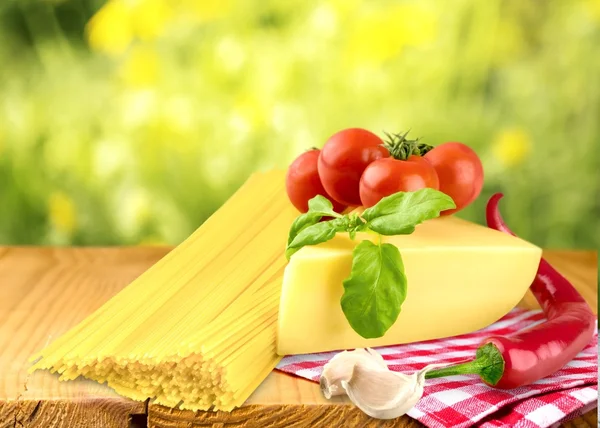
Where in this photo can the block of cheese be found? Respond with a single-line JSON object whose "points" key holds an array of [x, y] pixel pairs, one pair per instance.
{"points": [[461, 277]]}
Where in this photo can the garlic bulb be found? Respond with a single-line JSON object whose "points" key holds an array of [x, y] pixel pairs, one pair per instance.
{"points": [[340, 367], [379, 392]]}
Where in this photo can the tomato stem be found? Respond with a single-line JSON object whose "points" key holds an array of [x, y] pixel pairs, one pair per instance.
{"points": [[402, 148]]}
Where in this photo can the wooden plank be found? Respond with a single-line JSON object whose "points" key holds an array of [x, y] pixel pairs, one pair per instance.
{"points": [[274, 416], [45, 292], [92, 412], [298, 402]]}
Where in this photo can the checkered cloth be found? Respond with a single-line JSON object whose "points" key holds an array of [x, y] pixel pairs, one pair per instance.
{"points": [[464, 401]]}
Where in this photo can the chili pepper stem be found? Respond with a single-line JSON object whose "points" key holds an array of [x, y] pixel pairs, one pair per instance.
{"points": [[488, 364], [469, 367]]}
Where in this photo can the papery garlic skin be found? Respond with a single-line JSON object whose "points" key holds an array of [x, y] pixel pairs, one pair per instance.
{"points": [[384, 394], [364, 376], [341, 366]]}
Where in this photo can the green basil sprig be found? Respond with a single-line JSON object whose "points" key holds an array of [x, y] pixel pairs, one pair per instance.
{"points": [[308, 229], [377, 285], [398, 214]]}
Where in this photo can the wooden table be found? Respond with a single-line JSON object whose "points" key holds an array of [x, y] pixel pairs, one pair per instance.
{"points": [[46, 291]]}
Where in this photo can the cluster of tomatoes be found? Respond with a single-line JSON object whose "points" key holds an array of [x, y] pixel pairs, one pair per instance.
{"points": [[355, 167]]}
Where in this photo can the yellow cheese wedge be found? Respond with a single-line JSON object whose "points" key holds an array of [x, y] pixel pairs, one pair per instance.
{"points": [[461, 277]]}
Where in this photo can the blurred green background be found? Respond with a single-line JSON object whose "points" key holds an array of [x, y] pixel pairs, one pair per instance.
{"points": [[130, 122]]}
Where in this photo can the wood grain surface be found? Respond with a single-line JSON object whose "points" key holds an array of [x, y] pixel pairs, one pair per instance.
{"points": [[43, 293], [46, 291]]}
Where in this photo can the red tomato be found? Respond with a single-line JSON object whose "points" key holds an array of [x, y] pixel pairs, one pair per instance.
{"points": [[343, 159], [302, 182], [387, 176], [460, 172]]}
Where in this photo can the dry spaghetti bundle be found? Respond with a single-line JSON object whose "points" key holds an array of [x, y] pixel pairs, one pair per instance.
{"points": [[198, 329]]}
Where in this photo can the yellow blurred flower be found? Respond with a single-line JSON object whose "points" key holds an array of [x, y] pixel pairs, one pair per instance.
{"points": [[141, 68], [511, 146], [324, 21], [344, 8], [62, 212], [230, 54], [593, 8], [382, 35], [149, 18], [178, 115], [110, 30], [251, 113], [206, 10]]}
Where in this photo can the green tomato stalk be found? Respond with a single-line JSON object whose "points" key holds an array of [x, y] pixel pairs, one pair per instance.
{"points": [[402, 148]]}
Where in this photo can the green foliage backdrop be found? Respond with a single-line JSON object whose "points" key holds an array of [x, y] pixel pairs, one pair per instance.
{"points": [[130, 122]]}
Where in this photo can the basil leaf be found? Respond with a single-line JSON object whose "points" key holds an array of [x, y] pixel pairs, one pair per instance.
{"points": [[318, 207], [398, 214], [315, 234], [302, 221], [322, 205], [375, 289]]}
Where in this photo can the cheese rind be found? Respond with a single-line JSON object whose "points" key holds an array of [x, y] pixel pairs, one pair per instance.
{"points": [[461, 277]]}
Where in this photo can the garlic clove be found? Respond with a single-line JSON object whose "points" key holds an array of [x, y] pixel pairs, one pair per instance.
{"points": [[340, 368], [376, 356], [384, 394], [381, 394]]}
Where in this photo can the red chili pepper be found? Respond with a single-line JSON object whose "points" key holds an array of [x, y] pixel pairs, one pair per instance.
{"points": [[539, 351]]}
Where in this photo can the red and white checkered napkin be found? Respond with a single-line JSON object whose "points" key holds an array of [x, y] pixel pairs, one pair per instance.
{"points": [[464, 401]]}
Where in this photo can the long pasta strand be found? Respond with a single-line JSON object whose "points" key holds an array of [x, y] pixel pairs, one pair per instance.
{"points": [[198, 329]]}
